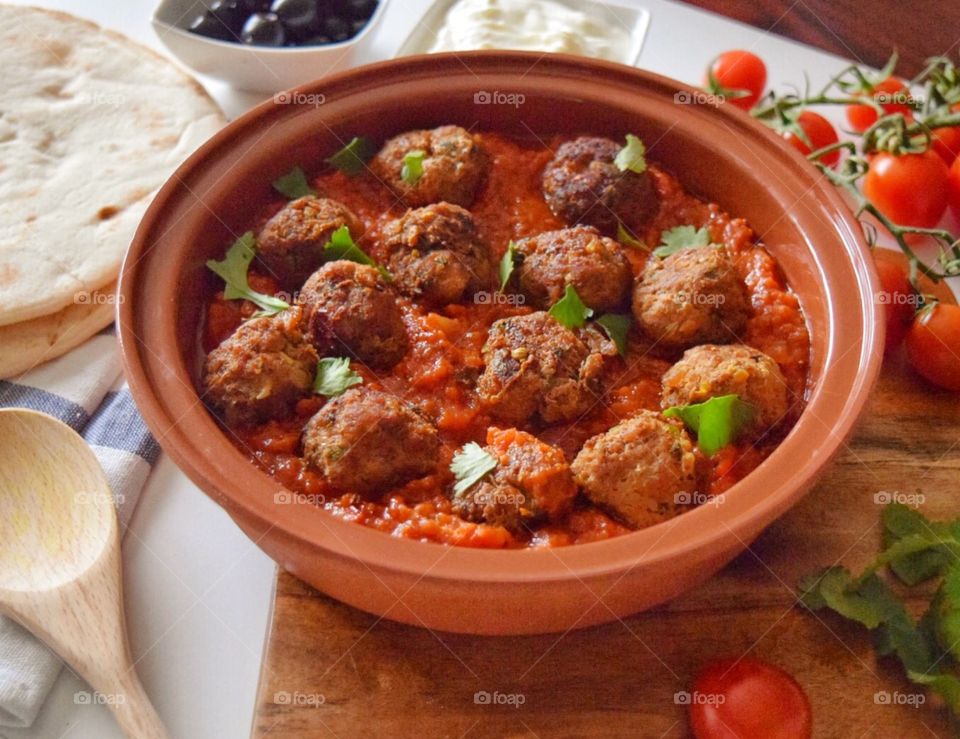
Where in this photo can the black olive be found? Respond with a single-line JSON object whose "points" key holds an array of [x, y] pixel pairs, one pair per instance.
{"points": [[230, 13], [358, 25], [299, 17], [211, 27], [336, 28], [354, 9], [263, 29], [255, 6], [320, 40]]}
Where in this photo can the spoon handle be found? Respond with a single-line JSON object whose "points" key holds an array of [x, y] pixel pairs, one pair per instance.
{"points": [[132, 708]]}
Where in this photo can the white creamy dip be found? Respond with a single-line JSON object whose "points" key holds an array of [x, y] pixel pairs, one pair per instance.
{"points": [[532, 25]]}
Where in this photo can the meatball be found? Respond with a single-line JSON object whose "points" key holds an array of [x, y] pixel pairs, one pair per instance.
{"points": [[709, 371], [532, 482], [436, 254], [579, 256], [693, 296], [369, 442], [290, 245], [581, 184], [453, 166], [536, 366], [260, 371], [350, 305], [642, 470]]}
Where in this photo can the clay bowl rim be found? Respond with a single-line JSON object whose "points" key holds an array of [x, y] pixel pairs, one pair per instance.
{"points": [[703, 530]]}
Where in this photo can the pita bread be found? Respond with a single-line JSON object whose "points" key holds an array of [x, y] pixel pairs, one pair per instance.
{"points": [[91, 124], [27, 344]]}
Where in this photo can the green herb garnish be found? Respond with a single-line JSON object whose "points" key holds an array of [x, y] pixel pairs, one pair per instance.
{"points": [[334, 376], [470, 465], [917, 550], [616, 326], [570, 311], [681, 237], [628, 239], [412, 169], [233, 270], [507, 264], [342, 246], [632, 157], [353, 157], [716, 422], [293, 184]]}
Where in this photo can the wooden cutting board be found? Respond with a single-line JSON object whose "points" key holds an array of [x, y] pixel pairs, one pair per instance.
{"points": [[330, 670]]}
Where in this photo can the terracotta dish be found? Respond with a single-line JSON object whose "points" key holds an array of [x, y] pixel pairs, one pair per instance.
{"points": [[719, 155]]}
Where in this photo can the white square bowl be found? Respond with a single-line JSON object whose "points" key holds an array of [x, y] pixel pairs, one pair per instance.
{"points": [[256, 68], [637, 20]]}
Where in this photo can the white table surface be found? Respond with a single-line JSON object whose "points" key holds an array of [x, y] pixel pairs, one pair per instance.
{"points": [[198, 591]]}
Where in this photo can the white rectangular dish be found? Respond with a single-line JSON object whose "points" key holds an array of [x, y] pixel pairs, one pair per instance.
{"points": [[634, 20]]}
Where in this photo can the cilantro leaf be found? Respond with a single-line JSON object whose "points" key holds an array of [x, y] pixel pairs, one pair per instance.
{"points": [[717, 422], [342, 246], [412, 169], [681, 237], [352, 158], [628, 239], [899, 521], [293, 184], [233, 270], [470, 465], [616, 327], [570, 311], [507, 264], [945, 613], [632, 157], [334, 376], [946, 685]]}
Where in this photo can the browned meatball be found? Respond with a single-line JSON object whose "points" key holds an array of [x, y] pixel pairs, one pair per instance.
{"points": [[709, 371], [578, 256], [290, 245], [369, 442], [436, 254], [641, 470], [581, 184], [349, 309], [532, 482], [693, 296], [536, 366], [454, 164], [260, 371]]}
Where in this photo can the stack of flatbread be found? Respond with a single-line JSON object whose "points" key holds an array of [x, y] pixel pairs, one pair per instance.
{"points": [[91, 124]]}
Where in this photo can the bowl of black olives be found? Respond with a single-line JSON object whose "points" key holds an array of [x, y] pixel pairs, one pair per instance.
{"points": [[267, 45]]}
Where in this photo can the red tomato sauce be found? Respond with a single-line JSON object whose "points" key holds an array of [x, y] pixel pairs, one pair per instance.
{"points": [[445, 359]]}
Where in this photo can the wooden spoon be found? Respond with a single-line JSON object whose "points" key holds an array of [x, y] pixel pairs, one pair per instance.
{"points": [[60, 560]]}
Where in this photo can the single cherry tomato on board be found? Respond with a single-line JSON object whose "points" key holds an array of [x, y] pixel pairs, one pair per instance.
{"points": [[738, 70], [909, 189], [897, 296], [953, 187], [933, 345], [748, 699], [891, 93], [819, 131]]}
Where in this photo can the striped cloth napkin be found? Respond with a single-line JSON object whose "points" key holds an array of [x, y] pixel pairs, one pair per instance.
{"points": [[84, 389]]}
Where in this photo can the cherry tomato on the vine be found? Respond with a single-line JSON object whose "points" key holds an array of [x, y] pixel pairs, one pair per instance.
{"points": [[933, 345], [890, 93], [909, 189], [898, 298], [748, 699], [953, 187], [819, 131], [946, 140], [738, 70]]}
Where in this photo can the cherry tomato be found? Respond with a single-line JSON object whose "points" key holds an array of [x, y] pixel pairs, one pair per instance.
{"points": [[909, 189], [738, 70], [897, 297], [820, 132], [887, 93], [748, 699], [946, 141], [953, 187], [933, 345]]}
